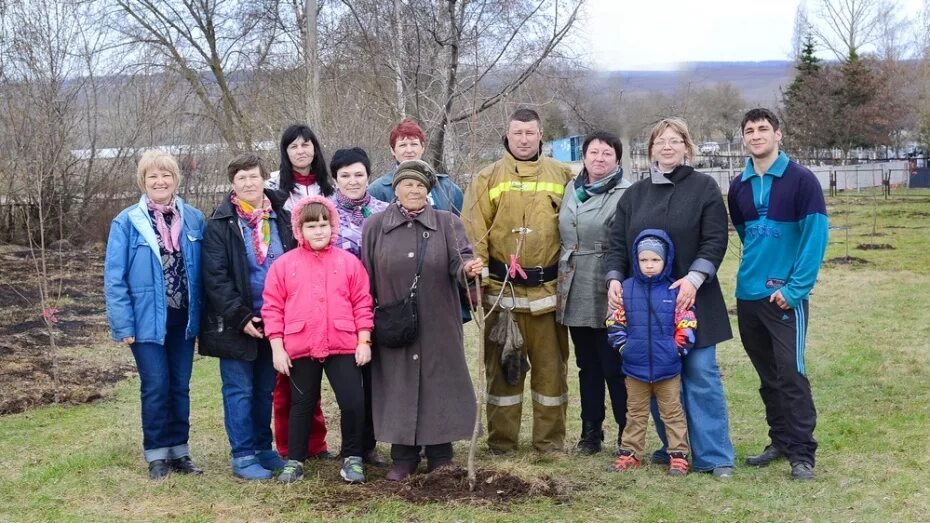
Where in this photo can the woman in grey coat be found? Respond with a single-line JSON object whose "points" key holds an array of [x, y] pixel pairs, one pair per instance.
{"points": [[422, 394], [585, 220]]}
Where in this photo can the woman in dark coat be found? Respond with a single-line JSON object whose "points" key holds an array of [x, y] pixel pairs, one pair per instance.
{"points": [[688, 206], [422, 393], [248, 231]]}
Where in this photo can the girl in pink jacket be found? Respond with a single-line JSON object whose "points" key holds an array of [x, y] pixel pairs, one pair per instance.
{"points": [[318, 317]]}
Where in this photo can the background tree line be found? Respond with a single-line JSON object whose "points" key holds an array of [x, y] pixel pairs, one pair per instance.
{"points": [[84, 85]]}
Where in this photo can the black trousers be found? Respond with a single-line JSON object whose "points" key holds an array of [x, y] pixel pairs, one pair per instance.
{"points": [[368, 431], [346, 380], [598, 364], [439, 453], [774, 340]]}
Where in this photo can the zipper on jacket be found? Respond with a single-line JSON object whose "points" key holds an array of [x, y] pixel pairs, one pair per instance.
{"points": [[649, 330]]}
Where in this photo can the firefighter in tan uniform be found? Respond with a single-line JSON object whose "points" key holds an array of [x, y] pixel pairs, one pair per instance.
{"points": [[511, 215]]}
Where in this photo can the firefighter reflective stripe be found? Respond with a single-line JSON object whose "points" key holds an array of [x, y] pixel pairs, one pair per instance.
{"points": [[549, 401], [503, 187], [505, 401], [520, 302]]}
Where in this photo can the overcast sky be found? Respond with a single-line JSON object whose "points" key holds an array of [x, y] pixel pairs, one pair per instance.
{"points": [[658, 34]]}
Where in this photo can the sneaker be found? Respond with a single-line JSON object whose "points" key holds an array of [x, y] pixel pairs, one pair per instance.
{"points": [[158, 469], [625, 461], [270, 460], [802, 471], [677, 464], [292, 471], [767, 456], [352, 470], [185, 465], [723, 473], [249, 469]]}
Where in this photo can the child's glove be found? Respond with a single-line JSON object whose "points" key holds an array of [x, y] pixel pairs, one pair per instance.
{"points": [[684, 332], [616, 329], [684, 339]]}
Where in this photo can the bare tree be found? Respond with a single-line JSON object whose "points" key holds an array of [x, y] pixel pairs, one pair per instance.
{"points": [[846, 26], [457, 51], [196, 37], [802, 28]]}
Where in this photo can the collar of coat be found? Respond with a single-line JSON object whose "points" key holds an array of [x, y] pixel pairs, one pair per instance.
{"points": [[393, 218]]}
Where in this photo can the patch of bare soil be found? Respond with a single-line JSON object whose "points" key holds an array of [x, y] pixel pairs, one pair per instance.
{"points": [[847, 260], [450, 485], [32, 372], [875, 246]]}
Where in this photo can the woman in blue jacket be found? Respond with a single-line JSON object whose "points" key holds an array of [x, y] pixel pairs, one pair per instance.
{"points": [[153, 293]]}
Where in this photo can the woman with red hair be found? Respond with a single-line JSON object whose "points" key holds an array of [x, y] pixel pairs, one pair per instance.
{"points": [[408, 143]]}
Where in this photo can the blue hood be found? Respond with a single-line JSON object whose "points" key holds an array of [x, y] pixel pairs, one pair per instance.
{"points": [[669, 256]]}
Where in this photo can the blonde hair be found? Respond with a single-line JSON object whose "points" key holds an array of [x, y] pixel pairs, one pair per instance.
{"points": [[157, 159], [679, 126]]}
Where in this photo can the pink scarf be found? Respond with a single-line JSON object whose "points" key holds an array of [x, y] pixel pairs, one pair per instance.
{"points": [[171, 238], [258, 220]]}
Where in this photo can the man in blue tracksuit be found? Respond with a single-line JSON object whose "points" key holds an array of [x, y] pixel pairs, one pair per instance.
{"points": [[778, 209]]}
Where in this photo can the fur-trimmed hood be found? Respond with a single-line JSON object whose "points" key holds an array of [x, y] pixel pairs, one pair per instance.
{"points": [[333, 219]]}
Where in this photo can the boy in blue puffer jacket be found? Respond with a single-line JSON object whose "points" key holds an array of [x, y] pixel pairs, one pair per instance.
{"points": [[653, 337]]}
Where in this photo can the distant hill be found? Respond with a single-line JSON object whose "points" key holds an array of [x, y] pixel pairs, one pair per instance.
{"points": [[759, 82]]}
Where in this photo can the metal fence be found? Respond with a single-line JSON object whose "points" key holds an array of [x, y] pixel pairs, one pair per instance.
{"points": [[831, 177]]}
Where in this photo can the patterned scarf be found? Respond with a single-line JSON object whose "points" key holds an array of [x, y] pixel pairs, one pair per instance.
{"points": [[408, 213], [585, 190], [359, 207], [261, 235], [172, 238]]}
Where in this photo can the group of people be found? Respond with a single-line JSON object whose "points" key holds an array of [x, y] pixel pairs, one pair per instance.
{"points": [[283, 283]]}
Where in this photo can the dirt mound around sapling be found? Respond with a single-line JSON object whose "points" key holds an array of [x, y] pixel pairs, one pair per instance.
{"points": [[450, 485]]}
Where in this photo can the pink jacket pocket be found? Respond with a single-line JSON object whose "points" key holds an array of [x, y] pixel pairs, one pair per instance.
{"points": [[294, 327], [344, 335]]}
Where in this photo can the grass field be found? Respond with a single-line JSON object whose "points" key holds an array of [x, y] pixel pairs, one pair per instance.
{"points": [[867, 360]]}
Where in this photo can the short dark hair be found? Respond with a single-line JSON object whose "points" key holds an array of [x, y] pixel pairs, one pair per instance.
{"points": [[317, 166], [756, 115], [525, 114], [609, 138], [244, 162], [344, 157]]}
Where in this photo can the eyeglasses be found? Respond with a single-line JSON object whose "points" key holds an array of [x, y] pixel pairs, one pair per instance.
{"points": [[674, 142]]}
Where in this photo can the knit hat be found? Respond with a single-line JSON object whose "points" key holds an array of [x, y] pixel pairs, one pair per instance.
{"points": [[416, 169], [652, 244], [346, 157]]}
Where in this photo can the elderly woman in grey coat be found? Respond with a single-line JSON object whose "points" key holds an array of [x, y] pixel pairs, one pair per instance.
{"points": [[585, 220], [422, 393]]}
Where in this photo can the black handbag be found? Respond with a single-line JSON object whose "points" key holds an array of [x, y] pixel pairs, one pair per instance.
{"points": [[397, 324]]}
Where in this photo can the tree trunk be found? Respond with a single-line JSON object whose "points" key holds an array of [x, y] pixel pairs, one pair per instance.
{"points": [[311, 67]]}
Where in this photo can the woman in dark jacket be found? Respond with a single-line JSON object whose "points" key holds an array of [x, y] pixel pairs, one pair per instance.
{"points": [[422, 393], [248, 231], [689, 207]]}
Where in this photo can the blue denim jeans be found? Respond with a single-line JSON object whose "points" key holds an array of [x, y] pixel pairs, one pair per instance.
{"points": [[165, 375], [706, 411], [247, 387]]}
